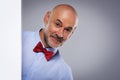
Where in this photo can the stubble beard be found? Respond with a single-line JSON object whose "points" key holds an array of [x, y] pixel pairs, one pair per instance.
{"points": [[48, 42]]}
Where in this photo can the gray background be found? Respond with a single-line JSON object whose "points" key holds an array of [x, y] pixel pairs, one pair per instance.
{"points": [[93, 51]]}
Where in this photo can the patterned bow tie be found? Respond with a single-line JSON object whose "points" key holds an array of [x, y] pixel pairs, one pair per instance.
{"points": [[39, 48]]}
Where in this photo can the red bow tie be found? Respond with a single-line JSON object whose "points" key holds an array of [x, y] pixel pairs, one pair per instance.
{"points": [[39, 48]]}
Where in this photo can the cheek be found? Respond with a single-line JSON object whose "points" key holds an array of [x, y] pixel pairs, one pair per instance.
{"points": [[52, 29], [67, 36]]}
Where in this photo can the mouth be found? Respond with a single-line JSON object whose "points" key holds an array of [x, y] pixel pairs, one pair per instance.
{"points": [[57, 39]]}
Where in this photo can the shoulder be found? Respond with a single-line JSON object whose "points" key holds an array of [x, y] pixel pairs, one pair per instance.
{"points": [[65, 71], [65, 67], [27, 33], [62, 65], [27, 37]]}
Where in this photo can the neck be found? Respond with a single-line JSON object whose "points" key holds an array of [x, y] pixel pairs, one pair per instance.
{"points": [[41, 34]]}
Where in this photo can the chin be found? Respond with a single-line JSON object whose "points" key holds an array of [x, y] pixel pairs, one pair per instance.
{"points": [[53, 45]]}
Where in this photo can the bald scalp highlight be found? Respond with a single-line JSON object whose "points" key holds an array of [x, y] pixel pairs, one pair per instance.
{"points": [[65, 7]]}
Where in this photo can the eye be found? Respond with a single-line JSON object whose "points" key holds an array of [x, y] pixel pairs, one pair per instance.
{"points": [[58, 24], [68, 29]]}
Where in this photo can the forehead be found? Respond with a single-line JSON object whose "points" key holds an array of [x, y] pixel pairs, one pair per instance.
{"points": [[66, 16]]}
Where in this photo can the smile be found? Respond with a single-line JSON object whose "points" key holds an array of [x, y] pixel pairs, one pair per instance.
{"points": [[56, 39]]}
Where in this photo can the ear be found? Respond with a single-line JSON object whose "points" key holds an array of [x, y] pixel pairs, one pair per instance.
{"points": [[46, 17]]}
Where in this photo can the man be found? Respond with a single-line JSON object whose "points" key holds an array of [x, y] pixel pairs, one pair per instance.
{"points": [[41, 59]]}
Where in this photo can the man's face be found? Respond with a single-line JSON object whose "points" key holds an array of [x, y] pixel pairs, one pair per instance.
{"points": [[58, 27]]}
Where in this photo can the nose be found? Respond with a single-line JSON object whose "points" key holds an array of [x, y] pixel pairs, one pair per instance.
{"points": [[60, 32]]}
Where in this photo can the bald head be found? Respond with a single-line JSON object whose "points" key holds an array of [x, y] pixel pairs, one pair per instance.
{"points": [[65, 7], [65, 10]]}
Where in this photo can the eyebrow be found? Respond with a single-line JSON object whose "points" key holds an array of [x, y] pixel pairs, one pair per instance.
{"points": [[61, 23]]}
